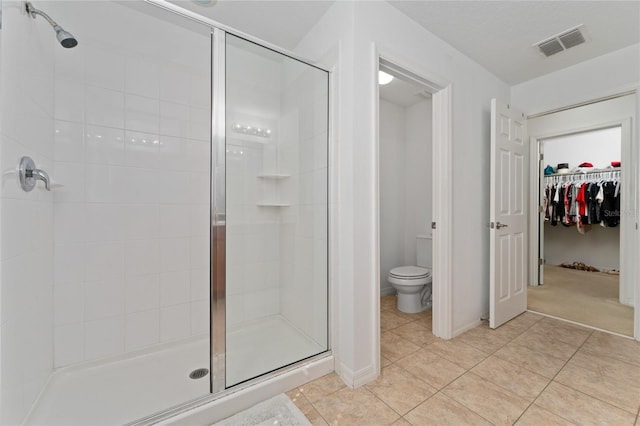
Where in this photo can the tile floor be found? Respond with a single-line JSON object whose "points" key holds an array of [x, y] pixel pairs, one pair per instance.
{"points": [[533, 370]]}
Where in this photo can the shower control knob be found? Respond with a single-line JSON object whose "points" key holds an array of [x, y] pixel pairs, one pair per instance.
{"points": [[29, 174]]}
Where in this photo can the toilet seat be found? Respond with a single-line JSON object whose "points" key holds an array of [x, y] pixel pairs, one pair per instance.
{"points": [[410, 273]]}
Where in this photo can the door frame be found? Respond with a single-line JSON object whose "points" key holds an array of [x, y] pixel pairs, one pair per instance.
{"points": [[442, 180], [629, 240]]}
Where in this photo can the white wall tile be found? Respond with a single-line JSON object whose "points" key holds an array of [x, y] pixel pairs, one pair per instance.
{"points": [[174, 119], [175, 84], [142, 293], [104, 107], [104, 222], [142, 76], [68, 344], [69, 101], [234, 309], [141, 149], [142, 257], [68, 141], [142, 329], [104, 145], [104, 298], [142, 114], [174, 254], [199, 318], [72, 178], [199, 123], [69, 222], [200, 252], [104, 337], [68, 303], [174, 154], [143, 221], [104, 260], [175, 221], [174, 288], [200, 284], [104, 69], [174, 322], [261, 303], [69, 262]]}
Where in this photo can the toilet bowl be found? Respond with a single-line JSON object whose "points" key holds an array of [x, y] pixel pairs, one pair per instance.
{"points": [[412, 283]]}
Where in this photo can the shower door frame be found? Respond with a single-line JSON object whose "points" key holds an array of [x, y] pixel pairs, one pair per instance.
{"points": [[212, 407]]}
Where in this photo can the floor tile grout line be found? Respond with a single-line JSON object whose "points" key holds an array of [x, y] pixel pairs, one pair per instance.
{"points": [[552, 381]]}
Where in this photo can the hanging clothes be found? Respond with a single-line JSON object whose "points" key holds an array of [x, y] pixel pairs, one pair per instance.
{"points": [[583, 199]]}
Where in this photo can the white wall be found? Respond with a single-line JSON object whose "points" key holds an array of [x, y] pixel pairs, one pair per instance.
{"points": [[605, 75], [599, 147], [352, 30], [418, 165], [405, 183], [600, 247], [26, 257], [393, 179]]}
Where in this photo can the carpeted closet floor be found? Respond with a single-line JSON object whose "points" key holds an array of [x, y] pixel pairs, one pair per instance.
{"points": [[589, 298]]}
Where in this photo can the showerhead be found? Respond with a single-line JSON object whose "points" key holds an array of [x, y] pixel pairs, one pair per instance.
{"points": [[65, 38]]}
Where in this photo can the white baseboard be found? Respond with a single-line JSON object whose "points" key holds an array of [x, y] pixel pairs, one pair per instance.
{"points": [[359, 378], [458, 331]]}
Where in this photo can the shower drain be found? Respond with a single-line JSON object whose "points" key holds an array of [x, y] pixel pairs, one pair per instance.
{"points": [[199, 373]]}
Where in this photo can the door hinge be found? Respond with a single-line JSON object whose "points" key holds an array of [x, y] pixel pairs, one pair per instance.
{"points": [[433, 225], [541, 156], [540, 262], [540, 209]]}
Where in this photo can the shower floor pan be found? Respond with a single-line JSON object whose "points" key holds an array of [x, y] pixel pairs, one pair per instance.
{"points": [[121, 390]]}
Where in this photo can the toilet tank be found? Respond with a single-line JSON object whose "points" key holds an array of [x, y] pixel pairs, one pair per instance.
{"points": [[423, 250]]}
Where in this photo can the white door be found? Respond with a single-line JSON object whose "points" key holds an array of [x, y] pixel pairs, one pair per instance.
{"points": [[508, 216]]}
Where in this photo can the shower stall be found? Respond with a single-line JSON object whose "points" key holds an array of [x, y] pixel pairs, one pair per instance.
{"points": [[180, 252]]}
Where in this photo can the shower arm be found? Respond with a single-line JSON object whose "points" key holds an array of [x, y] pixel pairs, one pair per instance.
{"points": [[31, 10]]}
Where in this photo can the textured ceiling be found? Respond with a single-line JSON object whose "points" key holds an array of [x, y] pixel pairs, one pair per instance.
{"points": [[499, 34]]}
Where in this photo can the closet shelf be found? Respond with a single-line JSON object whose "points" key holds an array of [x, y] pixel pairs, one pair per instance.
{"points": [[585, 173]]}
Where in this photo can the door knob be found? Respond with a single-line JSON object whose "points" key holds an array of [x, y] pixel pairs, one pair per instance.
{"points": [[501, 225]]}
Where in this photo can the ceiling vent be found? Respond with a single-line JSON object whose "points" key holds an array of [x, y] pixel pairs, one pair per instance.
{"points": [[563, 41]]}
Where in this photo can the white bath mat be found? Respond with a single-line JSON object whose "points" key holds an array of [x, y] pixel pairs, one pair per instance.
{"points": [[278, 410]]}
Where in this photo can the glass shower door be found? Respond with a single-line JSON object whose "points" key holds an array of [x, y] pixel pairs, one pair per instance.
{"points": [[276, 210]]}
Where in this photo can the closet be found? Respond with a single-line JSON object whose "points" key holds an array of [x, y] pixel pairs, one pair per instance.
{"points": [[579, 243]]}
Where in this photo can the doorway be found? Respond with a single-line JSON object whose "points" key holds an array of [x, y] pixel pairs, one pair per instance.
{"points": [[579, 241], [608, 123], [405, 143]]}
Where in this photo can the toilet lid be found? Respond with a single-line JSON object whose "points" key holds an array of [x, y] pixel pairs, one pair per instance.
{"points": [[410, 272]]}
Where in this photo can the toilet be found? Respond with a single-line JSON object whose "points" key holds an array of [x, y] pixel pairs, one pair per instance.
{"points": [[413, 283]]}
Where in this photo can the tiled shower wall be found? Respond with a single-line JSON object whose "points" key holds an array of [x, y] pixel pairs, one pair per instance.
{"points": [[26, 227], [132, 130]]}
